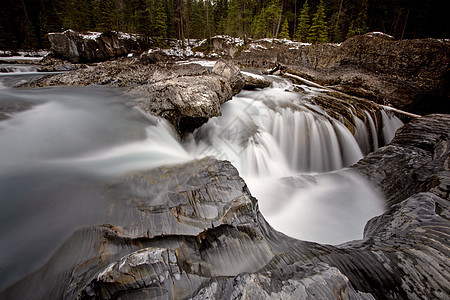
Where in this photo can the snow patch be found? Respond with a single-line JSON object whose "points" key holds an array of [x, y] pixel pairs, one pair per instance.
{"points": [[381, 34], [259, 77], [91, 35], [204, 63]]}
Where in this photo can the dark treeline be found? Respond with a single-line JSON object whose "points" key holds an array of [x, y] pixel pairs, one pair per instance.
{"points": [[25, 23]]}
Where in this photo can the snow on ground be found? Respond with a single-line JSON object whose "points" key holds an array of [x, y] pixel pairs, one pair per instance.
{"points": [[128, 36], [91, 35], [204, 63], [259, 77], [178, 52], [378, 33]]}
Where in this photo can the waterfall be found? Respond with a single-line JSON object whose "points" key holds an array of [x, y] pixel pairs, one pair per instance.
{"points": [[10, 69], [56, 156], [273, 126], [390, 125]]}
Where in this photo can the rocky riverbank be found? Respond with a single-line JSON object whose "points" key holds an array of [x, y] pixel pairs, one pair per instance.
{"points": [[412, 75], [200, 234], [187, 95], [194, 230]]}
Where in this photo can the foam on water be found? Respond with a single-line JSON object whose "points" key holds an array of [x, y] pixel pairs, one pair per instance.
{"points": [[54, 157]]}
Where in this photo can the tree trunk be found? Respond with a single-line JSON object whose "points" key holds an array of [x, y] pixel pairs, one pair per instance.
{"points": [[406, 21]]}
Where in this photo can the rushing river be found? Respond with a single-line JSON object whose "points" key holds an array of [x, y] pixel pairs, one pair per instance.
{"points": [[55, 156]]}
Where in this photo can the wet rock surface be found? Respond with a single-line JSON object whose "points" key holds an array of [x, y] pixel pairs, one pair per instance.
{"points": [[194, 231], [187, 95], [410, 74], [417, 160], [254, 81]]}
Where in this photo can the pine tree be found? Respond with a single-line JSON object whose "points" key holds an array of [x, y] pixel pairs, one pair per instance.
{"points": [[160, 23], [240, 17], [303, 24], [319, 30], [266, 23], [105, 13], [359, 24], [78, 15], [220, 12], [284, 34]]}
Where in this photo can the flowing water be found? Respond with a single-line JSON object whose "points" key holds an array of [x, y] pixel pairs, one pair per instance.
{"points": [[55, 156]]}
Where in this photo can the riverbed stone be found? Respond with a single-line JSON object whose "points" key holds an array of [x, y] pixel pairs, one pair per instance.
{"points": [[187, 95], [412, 75], [196, 232]]}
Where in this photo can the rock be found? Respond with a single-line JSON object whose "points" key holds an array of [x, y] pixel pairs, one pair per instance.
{"points": [[187, 95], [196, 232], [198, 226], [226, 45], [254, 81], [419, 152], [153, 57], [93, 47], [228, 70], [52, 64], [186, 102], [412, 75]]}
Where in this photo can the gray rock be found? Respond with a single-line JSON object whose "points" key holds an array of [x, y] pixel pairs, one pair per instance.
{"points": [[228, 70], [198, 224], [76, 47], [255, 82], [415, 161], [411, 74], [186, 95], [196, 232], [226, 45], [186, 102]]}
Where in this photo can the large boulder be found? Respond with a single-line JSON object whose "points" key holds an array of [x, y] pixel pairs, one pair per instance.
{"points": [[232, 73], [197, 231], [226, 45], [410, 74], [186, 102], [92, 47], [420, 152], [187, 95], [194, 231]]}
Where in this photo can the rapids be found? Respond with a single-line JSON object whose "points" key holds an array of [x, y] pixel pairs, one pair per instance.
{"points": [[56, 157]]}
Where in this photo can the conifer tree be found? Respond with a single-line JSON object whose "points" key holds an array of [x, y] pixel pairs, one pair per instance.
{"points": [[240, 17], [284, 34], [319, 30], [105, 13], [160, 22], [302, 32], [78, 15], [358, 25], [265, 25]]}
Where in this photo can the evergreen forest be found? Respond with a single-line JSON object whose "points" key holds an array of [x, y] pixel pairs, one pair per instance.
{"points": [[25, 23]]}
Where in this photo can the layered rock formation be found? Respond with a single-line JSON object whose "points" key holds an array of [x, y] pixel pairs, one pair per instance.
{"points": [[417, 160], [196, 232], [93, 47], [411, 74]]}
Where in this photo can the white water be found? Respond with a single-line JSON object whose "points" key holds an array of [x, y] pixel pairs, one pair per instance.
{"points": [[8, 69], [390, 125], [287, 150]]}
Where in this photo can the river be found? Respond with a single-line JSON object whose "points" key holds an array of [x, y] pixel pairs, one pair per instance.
{"points": [[56, 156]]}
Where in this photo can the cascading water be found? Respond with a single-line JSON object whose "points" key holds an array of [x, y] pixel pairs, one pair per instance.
{"points": [[16, 74], [55, 157]]}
